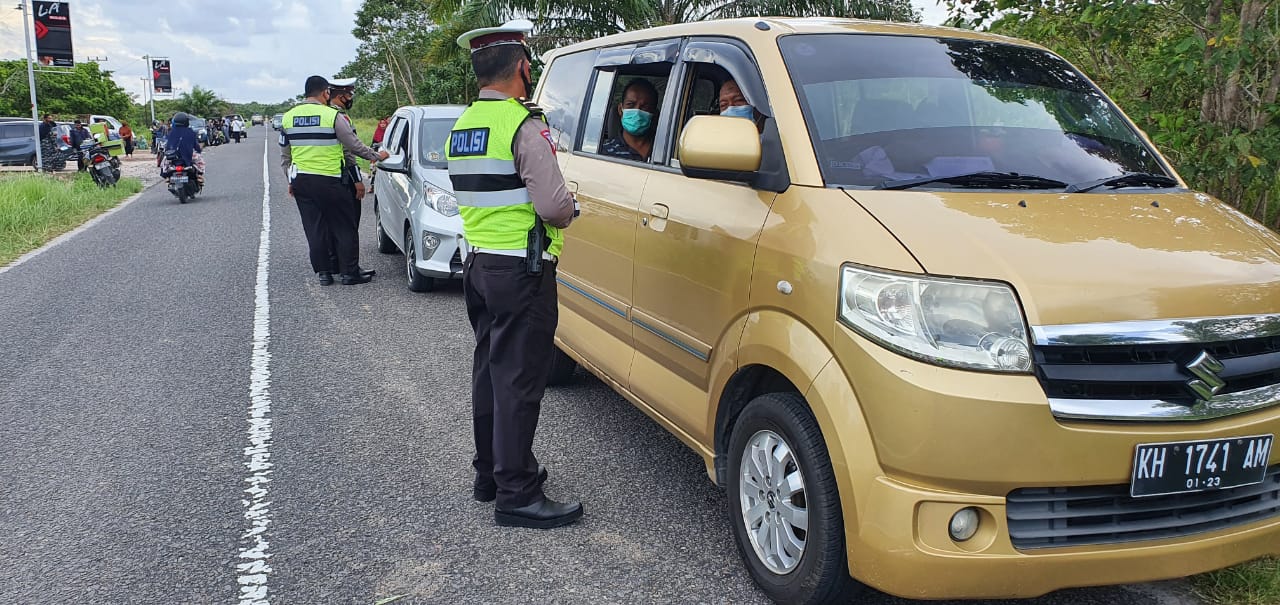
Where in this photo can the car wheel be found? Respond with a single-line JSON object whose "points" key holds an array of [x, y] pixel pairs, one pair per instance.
{"points": [[385, 243], [562, 367], [417, 281], [784, 506]]}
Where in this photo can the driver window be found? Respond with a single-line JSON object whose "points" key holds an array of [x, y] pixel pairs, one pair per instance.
{"points": [[394, 132], [711, 90]]}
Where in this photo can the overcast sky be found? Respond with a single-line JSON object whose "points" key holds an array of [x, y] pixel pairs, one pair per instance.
{"points": [[245, 50]]}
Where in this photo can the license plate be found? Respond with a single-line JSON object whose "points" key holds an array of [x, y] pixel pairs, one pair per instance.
{"points": [[1161, 469], [104, 167], [178, 179]]}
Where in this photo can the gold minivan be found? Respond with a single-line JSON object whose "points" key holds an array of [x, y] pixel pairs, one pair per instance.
{"points": [[938, 317]]}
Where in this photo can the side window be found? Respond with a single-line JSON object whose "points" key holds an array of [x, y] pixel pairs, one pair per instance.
{"points": [[596, 112], [625, 110], [394, 137], [402, 139], [564, 87]]}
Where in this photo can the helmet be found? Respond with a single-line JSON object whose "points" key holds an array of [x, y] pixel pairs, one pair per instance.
{"points": [[181, 119]]}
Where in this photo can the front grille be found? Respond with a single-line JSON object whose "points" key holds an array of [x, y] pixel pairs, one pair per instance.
{"points": [[1050, 517], [1152, 371]]}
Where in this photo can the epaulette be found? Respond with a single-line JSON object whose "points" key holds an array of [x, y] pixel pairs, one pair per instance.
{"points": [[533, 108]]}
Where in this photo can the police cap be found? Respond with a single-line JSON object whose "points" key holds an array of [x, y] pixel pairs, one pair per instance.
{"points": [[511, 32]]}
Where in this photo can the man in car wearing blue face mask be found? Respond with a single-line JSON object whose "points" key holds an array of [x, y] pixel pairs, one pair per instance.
{"points": [[733, 104], [639, 113]]}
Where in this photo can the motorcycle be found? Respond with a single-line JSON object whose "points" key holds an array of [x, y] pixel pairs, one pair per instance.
{"points": [[184, 181], [104, 169]]}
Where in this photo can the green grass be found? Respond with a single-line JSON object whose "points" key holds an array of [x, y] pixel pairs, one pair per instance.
{"points": [[1254, 583], [364, 130], [37, 208]]}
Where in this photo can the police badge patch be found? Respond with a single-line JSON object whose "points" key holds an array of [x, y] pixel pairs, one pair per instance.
{"points": [[469, 142]]}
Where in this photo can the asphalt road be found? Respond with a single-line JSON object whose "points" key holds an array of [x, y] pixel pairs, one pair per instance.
{"points": [[125, 377]]}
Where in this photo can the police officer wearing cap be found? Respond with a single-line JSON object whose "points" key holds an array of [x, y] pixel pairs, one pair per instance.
{"points": [[312, 140], [514, 203], [342, 94]]}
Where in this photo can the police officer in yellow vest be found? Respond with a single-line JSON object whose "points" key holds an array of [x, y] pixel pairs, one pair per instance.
{"points": [[312, 140], [513, 202]]}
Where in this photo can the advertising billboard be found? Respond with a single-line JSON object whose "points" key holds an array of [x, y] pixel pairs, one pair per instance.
{"points": [[53, 33], [163, 81]]}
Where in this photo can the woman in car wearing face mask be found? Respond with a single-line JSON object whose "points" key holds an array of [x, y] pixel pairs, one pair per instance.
{"points": [[639, 113]]}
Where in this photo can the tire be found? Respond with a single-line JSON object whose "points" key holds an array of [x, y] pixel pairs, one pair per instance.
{"points": [[417, 281], [385, 244], [182, 195], [562, 368], [779, 424]]}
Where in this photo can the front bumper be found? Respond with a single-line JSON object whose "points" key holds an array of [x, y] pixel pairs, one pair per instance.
{"points": [[947, 439], [445, 261]]}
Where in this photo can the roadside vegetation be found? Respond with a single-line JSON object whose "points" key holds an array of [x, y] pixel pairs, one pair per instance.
{"points": [[1256, 583], [37, 208]]}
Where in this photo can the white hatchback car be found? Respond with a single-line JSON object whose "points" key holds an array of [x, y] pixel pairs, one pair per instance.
{"points": [[413, 198]]}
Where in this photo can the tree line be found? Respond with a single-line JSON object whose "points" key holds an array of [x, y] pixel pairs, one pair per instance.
{"points": [[89, 89]]}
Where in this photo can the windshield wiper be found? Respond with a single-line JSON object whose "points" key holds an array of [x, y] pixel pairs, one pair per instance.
{"points": [[1128, 179], [986, 180]]}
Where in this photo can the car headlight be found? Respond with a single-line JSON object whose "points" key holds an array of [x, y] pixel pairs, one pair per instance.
{"points": [[944, 321], [442, 201]]}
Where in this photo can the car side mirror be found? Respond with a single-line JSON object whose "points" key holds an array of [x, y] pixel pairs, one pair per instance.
{"points": [[395, 163], [720, 148]]}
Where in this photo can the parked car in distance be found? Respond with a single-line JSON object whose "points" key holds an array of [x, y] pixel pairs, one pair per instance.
{"points": [[413, 201], [932, 310], [257, 119], [17, 142], [277, 121], [201, 126]]}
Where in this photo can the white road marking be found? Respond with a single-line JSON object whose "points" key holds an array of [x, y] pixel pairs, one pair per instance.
{"points": [[72, 233], [252, 563]]}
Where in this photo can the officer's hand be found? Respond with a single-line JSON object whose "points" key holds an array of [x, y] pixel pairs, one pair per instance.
{"points": [[382, 155], [359, 191], [290, 190]]}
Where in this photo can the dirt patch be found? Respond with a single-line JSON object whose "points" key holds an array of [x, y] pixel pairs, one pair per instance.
{"points": [[141, 166]]}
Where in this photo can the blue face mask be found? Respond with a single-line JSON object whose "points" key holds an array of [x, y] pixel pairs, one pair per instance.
{"points": [[636, 121], [739, 111]]}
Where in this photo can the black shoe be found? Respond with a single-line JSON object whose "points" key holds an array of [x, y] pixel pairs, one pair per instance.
{"points": [[358, 278], [489, 492], [368, 273], [326, 278], [544, 514]]}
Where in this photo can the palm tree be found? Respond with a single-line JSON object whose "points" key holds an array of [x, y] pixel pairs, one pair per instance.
{"points": [[200, 102], [568, 21]]}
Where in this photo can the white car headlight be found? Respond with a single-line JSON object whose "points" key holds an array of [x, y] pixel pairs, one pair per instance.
{"points": [[442, 201], [944, 321]]}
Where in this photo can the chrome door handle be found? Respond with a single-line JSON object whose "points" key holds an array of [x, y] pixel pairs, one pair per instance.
{"points": [[659, 211]]}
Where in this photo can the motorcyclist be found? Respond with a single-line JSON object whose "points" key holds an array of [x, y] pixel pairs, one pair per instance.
{"points": [[183, 141]]}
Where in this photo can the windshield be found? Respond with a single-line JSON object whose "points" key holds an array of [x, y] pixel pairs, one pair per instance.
{"points": [[434, 134], [196, 123], [889, 108]]}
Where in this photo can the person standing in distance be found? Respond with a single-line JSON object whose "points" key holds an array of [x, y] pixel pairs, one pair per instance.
{"points": [[312, 139], [513, 202]]}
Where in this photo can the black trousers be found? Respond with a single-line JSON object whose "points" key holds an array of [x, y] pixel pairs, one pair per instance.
{"points": [[330, 223], [514, 316]]}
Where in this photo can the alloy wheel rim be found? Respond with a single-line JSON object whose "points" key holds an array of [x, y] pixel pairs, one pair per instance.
{"points": [[774, 502]]}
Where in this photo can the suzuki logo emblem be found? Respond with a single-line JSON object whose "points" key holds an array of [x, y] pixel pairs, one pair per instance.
{"points": [[1207, 382]]}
